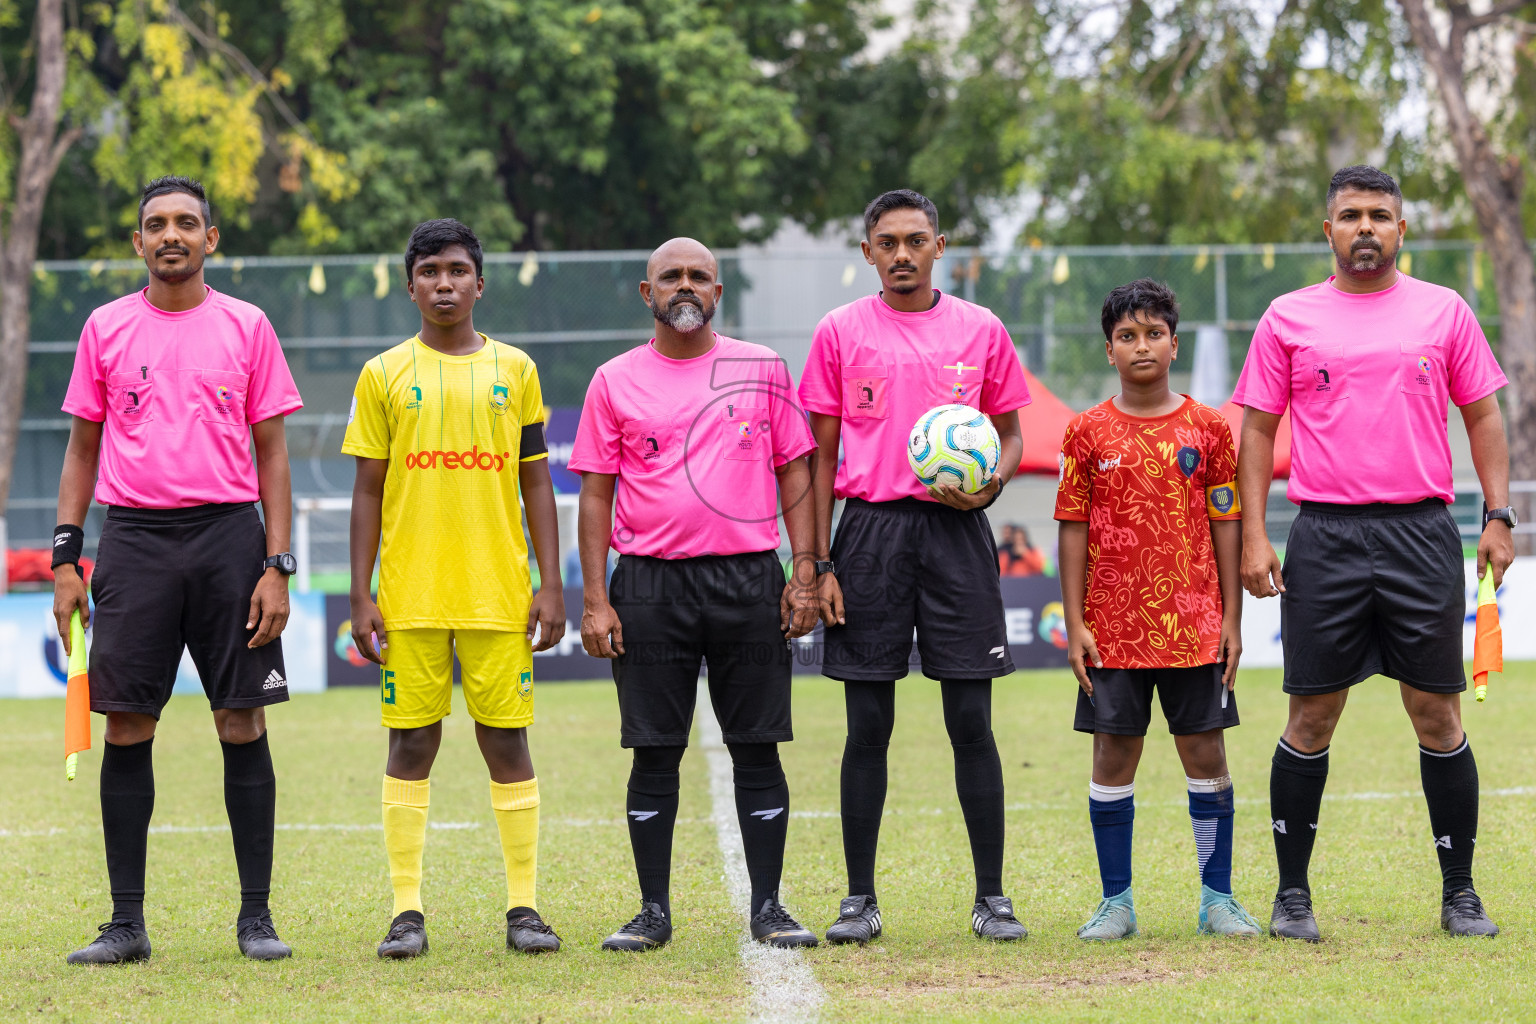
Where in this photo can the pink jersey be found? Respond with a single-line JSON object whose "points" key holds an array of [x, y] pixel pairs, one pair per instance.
{"points": [[176, 394], [880, 370], [1367, 378], [694, 443]]}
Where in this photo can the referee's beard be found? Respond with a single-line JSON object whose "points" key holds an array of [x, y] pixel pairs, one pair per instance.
{"points": [[1366, 258], [191, 265], [684, 314]]}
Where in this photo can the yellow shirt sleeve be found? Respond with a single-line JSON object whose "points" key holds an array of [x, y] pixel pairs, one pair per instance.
{"points": [[368, 423]]}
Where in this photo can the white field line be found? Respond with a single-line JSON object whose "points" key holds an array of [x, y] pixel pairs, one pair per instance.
{"points": [[783, 987], [321, 826]]}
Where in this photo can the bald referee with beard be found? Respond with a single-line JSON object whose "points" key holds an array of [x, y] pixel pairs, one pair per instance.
{"points": [[1373, 581]]}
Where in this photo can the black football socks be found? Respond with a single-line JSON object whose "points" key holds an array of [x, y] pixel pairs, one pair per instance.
{"points": [[127, 803], [978, 777], [1450, 789], [762, 809], [871, 710], [1296, 783], [250, 800], [652, 811]]}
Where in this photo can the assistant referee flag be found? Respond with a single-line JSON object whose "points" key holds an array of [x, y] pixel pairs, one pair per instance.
{"points": [[1488, 650], [77, 699]]}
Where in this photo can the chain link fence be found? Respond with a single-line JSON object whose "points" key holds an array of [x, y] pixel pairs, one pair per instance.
{"points": [[572, 311]]}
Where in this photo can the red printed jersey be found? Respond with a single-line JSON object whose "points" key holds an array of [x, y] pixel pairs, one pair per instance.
{"points": [[1148, 487]]}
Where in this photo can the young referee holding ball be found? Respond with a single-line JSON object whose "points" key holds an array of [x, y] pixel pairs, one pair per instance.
{"points": [[906, 555]]}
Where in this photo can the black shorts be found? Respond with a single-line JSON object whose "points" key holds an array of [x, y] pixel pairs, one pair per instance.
{"points": [[1122, 700], [720, 609], [169, 580], [909, 564], [1373, 589]]}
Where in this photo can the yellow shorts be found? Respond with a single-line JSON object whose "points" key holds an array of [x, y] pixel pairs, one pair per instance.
{"points": [[416, 683]]}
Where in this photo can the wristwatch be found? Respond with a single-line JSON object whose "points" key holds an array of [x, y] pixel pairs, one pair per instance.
{"points": [[1507, 513], [822, 568], [284, 563]]}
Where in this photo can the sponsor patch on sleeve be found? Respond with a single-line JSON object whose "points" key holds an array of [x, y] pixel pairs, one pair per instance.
{"points": [[1221, 500]]}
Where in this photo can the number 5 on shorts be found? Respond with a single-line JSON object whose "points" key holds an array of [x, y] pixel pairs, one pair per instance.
{"points": [[387, 686]]}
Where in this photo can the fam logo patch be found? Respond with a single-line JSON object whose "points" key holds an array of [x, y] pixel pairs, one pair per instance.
{"points": [[415, 400], [650, 448], [1322, 380], [499, 398], [1188, 460]]}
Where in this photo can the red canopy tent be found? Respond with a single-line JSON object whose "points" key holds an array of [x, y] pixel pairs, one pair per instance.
{"points": [[1233, 414], [1043, 422]]}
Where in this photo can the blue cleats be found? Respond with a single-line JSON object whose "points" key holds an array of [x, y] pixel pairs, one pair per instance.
{"points": [[1221, 914], [1115, 919]]}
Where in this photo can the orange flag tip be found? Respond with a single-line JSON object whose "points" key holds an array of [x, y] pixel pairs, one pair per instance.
{"points": [[1488, 648], [77, 699]]}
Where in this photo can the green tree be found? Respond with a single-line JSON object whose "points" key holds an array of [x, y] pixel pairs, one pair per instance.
{"points": [[548, 124], [116, 93]]}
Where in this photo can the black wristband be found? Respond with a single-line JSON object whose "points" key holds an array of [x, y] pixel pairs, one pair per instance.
{"points": [[993, 500], [68, 542]]}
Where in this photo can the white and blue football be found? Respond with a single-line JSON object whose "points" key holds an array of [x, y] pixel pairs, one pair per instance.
{"points": [[954, 444]]}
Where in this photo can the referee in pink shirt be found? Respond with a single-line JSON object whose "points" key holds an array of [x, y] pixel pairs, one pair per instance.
{"points": [[1374, 580], [907, 556], [171, 386], [688, 447]]}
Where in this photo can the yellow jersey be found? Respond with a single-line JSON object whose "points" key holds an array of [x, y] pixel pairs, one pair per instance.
{"points": [[455, 430]]}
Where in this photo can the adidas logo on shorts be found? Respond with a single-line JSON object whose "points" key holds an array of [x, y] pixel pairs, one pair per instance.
{"points": [[274, 681]]}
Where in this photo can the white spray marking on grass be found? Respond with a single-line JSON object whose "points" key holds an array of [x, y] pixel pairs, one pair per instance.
{"points": [[783, 987]]}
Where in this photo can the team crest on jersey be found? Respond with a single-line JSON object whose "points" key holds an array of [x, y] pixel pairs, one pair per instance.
{"points": [[525, 686], [1188, 460], [415, 399], [500, 398]]}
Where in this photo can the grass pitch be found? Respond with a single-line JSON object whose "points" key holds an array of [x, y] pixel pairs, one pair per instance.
{"points": [[1375, 881]]}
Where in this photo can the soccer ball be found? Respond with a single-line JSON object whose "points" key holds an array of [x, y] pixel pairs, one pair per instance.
{"points": [[954, 444]]}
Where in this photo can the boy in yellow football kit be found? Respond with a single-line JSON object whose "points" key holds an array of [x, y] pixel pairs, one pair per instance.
{"points": [[447, 429]]}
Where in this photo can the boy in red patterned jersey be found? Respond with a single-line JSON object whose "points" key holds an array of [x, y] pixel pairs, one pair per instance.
{"points": [[1150, 548]]}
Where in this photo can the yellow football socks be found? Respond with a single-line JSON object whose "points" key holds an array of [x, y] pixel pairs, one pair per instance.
{"points": [[517, 819], [405, 833]]}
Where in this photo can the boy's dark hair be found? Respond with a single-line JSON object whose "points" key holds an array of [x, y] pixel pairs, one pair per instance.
{"points": [[899, 199], [1366, 179], [175, 183], [433, 236], [1145, 296]]}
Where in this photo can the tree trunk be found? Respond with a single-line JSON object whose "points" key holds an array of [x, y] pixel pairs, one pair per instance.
{"points": [[1495, 185], [41, 149]]}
